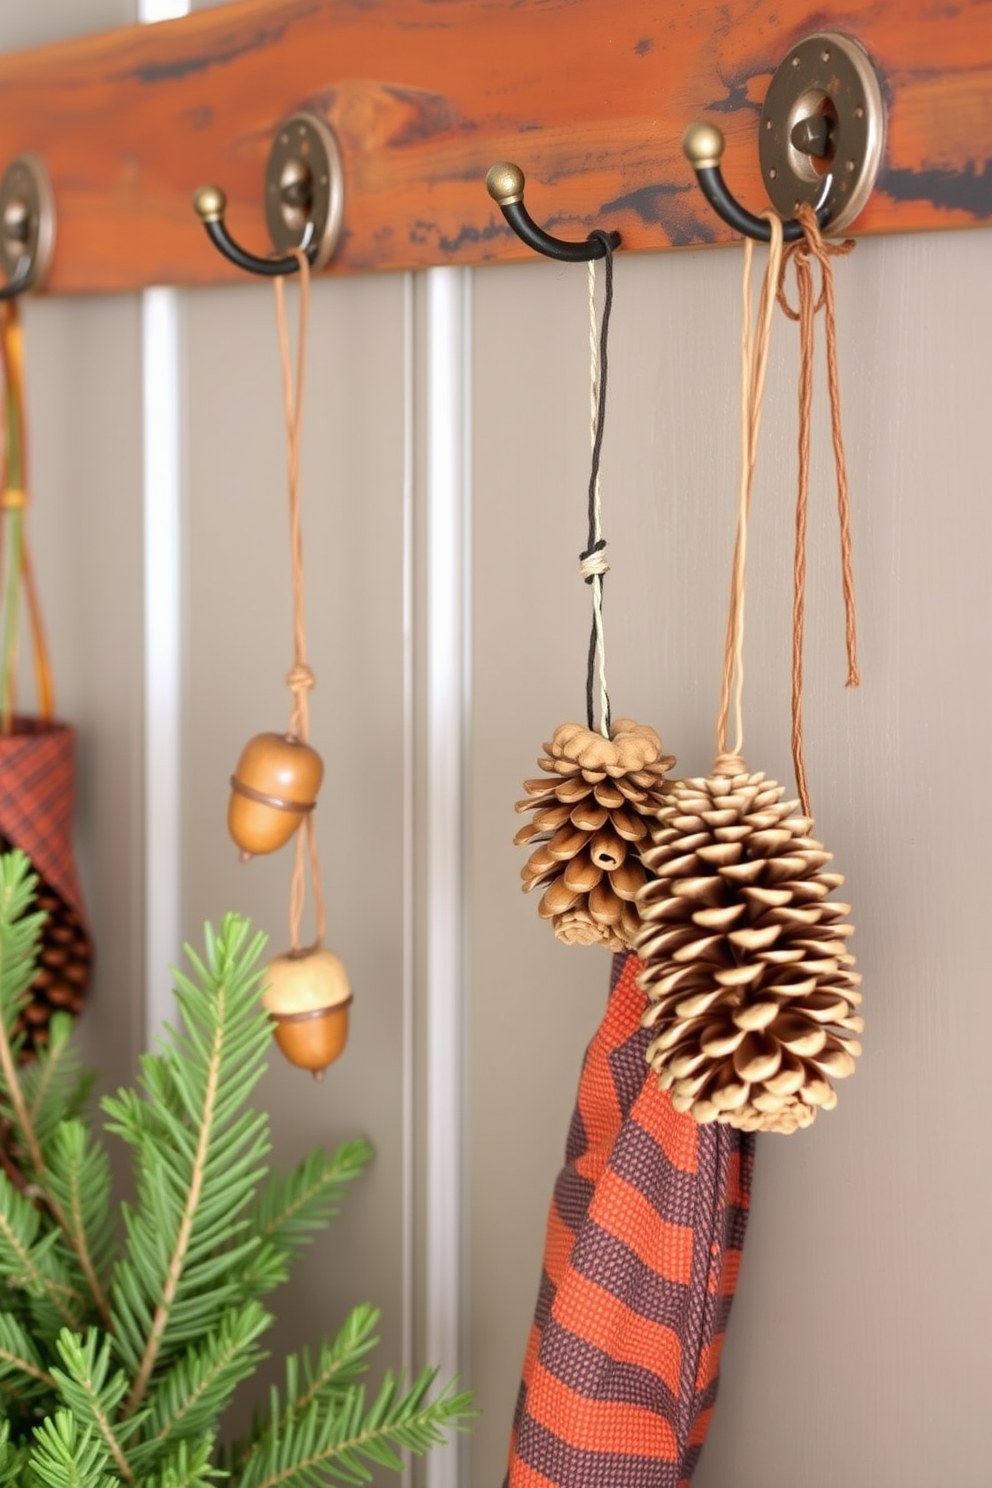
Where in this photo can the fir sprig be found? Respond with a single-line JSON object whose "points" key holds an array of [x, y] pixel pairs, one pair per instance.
{"points": [[124, 1385]]}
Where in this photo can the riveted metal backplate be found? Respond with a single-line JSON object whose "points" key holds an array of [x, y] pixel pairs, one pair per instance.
{"points": [[304, 183], [827, 79], [27, 220]]}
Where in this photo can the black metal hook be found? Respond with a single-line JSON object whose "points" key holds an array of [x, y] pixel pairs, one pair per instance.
{"points": [[210, 204], [505, 184], [703, 146]]}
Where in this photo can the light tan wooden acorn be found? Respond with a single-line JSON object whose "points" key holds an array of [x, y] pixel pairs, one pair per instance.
{"points": [[590, 820], [274, 786], [308, 997], [751, 988]]}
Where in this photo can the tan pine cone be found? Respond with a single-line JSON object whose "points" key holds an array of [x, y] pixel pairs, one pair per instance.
{"points": [[590, 820], [751, 988]]}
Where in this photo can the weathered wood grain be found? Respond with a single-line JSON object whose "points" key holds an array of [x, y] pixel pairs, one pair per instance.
{"points": [[590, 97]]}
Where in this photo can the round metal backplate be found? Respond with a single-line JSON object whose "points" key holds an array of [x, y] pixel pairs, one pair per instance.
{"points": [[304, 182], [27, 219], [830, 76]]}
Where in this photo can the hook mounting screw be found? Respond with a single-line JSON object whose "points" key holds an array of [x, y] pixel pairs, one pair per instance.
{"points": [[27, 225]]}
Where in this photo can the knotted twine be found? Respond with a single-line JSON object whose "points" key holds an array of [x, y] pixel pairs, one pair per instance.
{"points": [[593, 565], [300, 679], [811, 246]]}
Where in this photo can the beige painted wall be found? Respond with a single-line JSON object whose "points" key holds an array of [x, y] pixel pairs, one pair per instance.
{"points": [[856, 1353]]}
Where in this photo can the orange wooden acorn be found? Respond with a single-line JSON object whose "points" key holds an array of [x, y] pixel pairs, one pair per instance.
{"points": [[274, 786], [308, 997]]}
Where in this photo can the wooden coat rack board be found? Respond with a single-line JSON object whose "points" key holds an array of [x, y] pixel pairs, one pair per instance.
{"points": [[590, 97]]}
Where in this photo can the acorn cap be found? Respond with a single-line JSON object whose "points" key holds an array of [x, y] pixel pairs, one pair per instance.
{"points": [[305, 983]]}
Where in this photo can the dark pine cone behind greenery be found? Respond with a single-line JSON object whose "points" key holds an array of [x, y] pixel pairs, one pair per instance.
{"points": [[751, 987], [65, 966]]}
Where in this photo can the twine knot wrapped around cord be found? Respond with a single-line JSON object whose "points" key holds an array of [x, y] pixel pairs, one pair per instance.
{"points": [[300, 678], [593, 563]]}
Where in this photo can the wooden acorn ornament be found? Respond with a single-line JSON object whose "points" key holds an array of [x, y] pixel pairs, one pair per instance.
{"points": [[273, 789], [308, 998]]}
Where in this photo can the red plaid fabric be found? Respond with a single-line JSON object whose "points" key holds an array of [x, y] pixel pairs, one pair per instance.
{"points": [[641, 1258], [37, 781]]}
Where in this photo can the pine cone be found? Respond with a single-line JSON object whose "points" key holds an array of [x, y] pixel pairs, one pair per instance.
{"points": [[589, 822], [751, 988], [64, 970]]}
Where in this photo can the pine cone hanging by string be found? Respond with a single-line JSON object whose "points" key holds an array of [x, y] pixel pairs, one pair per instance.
{"points": [[751, 988], [590, 820]]}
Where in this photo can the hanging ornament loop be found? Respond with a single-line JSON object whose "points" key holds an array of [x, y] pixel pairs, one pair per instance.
{"points": [[300, 679], [593, 565], [802, 255], [754, 361]]}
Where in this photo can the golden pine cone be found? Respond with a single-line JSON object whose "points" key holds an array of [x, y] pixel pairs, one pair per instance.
{"points": [[589, 821], [751, 988]]}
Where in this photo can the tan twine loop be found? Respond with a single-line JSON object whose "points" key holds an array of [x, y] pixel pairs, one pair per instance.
{"points": [[300, 679], [802, 254], [754, 361]]}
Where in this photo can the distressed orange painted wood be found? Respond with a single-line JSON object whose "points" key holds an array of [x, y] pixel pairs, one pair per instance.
{"points": [[590, 97]]}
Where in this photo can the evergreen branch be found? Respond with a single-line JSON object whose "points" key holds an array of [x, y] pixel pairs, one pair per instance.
{"points": [[332, 1444], [32, 1267], [55, 1086], [339, 1366], [29, 1136], [295, 1205], [91, 1397], [175, 1268], [199, 1387], [188, 1467], [66, 1455], [78, 1187], [199, 1161], [18, 1354]]}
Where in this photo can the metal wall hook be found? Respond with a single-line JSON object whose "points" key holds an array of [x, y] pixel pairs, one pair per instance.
{"points": [[27, 225], [304, 200], [820, 140], [505, 184], [703, 146]]}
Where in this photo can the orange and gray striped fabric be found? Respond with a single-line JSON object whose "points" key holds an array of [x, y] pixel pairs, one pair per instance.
{"points": [[640, 1264]]}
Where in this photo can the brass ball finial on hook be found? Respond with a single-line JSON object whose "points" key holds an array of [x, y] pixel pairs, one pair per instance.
{"points": [[505, 184]]}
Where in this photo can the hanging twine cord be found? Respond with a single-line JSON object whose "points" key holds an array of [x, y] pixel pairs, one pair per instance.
{"points": [[802, 254], [755, 342], [14, 501], [300, 679], [593, 565]]}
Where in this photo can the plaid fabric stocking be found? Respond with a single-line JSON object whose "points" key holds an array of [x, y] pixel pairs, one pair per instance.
{"points": [[640, 1264]]}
